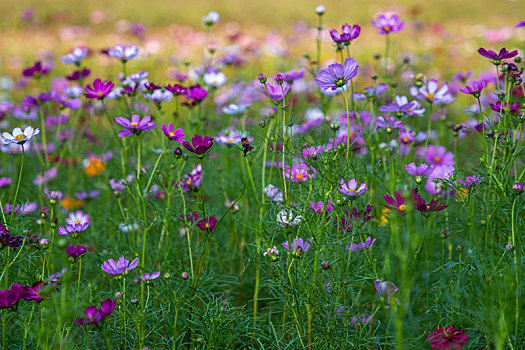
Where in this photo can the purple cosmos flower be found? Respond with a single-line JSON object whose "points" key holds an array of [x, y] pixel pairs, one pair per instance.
{"points": [[276, 91], [439, 156], [24, 209], [362, 246], [77, 217], [312, 152], [388, 23], [123, 52], [348, 33], [520, 24], [496, 58], [192, 180], [517, 188], [147, 277], [76, 56], [53, 195], [432, 93], [436, 183], [94, 315], [419, 170], [78, 75], [10, 297], [273, 193], [5, 181], [474, 88], [350, 188], [471, 180], [196, 94], [378, 90], [423, 206], [76, 251], [73, 230], [199, 145], [386, 289], [389, 125], [99, 90], [122, 266], [406, 136], [171, 134], [299, 246], [293, 75], [135, 126], [19, 137], [207, 224], [499, 107], [320, 207], [299, 173], [447, 338], [337, 75]]}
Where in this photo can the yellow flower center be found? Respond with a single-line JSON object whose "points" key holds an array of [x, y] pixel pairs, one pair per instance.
{"points": [[437, 159], [171, 134], [20, 137], [404, 139], [207, 225], [387, 28], [100, 94], [402, 207], [134, 124], [299, 176], [430, 96]]}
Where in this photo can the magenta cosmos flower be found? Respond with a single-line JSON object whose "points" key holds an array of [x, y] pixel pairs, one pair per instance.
{"points": [[447, 338], [76, 251], [320, 207], [73, 229], [348, 33], [94, 315], [438, 156], [135, 125], [207, 224], [336, 75], [362, 245], [121, 266], [350, 188], [418, 170], [474, 88], [199, 145], [171, 134], [147, 277], [299, 173], [99, 90], [388, 23]]}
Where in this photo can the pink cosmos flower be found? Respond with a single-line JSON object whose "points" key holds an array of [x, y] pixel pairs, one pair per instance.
{"points": [[350, 188]]}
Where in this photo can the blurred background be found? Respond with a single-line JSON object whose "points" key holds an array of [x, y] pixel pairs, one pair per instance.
{"points": [[170, 32]]}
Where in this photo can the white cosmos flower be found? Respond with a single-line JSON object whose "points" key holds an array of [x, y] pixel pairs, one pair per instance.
{"points": [[214, 79], [19, 137], [288, 219]]}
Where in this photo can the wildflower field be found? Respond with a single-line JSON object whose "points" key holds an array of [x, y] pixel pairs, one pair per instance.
{"points": [[240, 175]]}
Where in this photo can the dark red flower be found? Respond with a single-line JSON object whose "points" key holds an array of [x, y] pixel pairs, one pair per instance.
{"points": [[447, 338], [10, 297], [37, 70]]}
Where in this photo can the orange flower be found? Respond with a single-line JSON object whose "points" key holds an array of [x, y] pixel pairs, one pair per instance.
{"points": [[71, 203], [94, 166]]}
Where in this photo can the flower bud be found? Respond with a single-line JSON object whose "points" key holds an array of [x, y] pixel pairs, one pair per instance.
{"points": [[460, 248], [262, 78], [325, 265], [44, 243], [279, 79], [517, 188], [185, 275], [262, 124], [320, 10]]}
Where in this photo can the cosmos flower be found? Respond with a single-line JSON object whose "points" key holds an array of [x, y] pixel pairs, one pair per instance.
{"points": [[199, 145], [276, 91], [94, 315], [474, 88], [122, 266], [76, 251], [350, 188], [211, 18], [496, 58], [38, 70], [177, 135], [100, 89], [76, 56], [348, 33], [214, 79], [319, 207], [7, 239], [272, 253], [77, 217], [19, 137], [337, 75], [234, 109], [438, 156], [386, 289], [5, 181], [419, 170], [134, 126], [388, 23], [396, 203], [273, 193], [362, 245], [10, 297], [53, 195], [207, 224], [447, 338], [73, 230], [286, 218], [299, 173], [123, 52], [432, 93], [299, 246], [147, 277]]}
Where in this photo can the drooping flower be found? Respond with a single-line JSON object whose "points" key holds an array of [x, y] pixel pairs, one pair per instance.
{"points": [[207, 224], [402, 107], [19, 137], [447, 338], [422, 206], [388, 23], [350, 188], [94, 315], [8, 240], [134, 126], [386, 289], [337, 75], [100, 89], [177, 135], [199, 145], [122, 266], [362, 245]]}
